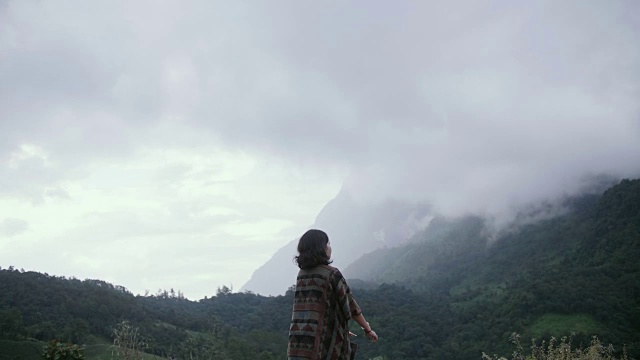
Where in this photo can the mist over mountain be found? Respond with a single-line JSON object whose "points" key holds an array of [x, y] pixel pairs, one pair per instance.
{"points": [[365, 231], [354, 227]]}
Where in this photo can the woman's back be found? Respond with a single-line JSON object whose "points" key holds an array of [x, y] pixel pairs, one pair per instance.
{"points": [[322, 307]]}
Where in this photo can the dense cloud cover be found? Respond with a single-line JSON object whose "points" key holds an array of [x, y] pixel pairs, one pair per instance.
{"points": [[470, 106]]}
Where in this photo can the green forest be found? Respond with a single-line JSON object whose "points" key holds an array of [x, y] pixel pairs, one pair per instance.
{"points": [[454, 292]]}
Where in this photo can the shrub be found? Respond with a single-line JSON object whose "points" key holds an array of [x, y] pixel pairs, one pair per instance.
{"points": [[57, 350]]}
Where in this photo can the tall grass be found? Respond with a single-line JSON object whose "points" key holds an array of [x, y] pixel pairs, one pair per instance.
{"points": [[562, 350]]}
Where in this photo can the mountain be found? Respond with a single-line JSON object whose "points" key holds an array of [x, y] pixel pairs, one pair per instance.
{"points": [[577, 272], [359, 227], [443, 243], [461, 244], [354, 227]]}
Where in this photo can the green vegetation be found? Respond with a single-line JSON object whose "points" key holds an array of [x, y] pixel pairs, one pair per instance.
{"points": [[558, 324], [99, 352], [454, 293], [106, 352], [57, 350], [20, 350]]}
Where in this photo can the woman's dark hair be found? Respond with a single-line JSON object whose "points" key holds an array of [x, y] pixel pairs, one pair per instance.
{"points": [[312, 249]]}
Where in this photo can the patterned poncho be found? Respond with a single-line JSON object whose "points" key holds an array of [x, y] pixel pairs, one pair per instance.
{"points": [[322, 308]]}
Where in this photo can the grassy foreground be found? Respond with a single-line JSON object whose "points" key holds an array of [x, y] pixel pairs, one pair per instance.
{"points": [[562, 350], [32, 350]]}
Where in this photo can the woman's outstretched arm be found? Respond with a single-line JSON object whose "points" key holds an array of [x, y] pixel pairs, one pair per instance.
{"points": [[368, 331]]}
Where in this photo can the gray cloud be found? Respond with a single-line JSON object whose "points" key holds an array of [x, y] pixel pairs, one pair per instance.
{"points": [[480, 108], [439, 91], [477, 108]]}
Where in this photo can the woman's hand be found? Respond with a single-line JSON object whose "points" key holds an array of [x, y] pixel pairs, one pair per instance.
{"points": [[371, 335]]}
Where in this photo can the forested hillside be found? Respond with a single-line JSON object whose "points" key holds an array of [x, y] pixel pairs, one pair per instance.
{"points": [[452, 294], [574, 273], [39, 307]]}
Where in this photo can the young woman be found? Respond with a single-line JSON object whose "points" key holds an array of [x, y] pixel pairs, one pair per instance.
{"points": [[323, 305]]}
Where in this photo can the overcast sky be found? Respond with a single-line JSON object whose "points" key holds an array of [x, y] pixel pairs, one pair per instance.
{"points": [[179, 144]]}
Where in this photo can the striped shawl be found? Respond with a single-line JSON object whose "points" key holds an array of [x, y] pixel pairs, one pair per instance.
{"points": [[322, 308]]}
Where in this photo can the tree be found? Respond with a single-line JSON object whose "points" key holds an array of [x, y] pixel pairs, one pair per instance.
{"points": [[224, 291], [11, 323]]}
